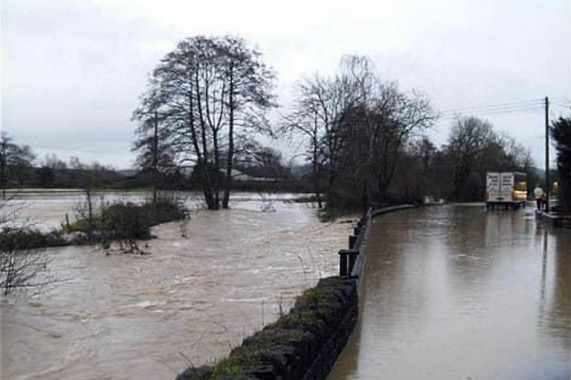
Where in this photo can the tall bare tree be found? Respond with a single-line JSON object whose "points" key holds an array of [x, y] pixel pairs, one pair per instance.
{"points": [[153, 144], [21, 268], [319, 111], [250, 85], [474, 147], [205, 91], [356, 126]]}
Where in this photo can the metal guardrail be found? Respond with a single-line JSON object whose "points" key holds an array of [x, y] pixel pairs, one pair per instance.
{"points": [[352, 260]]}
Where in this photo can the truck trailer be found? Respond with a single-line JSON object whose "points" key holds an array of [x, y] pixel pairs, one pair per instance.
{"points": [[506, 190]]}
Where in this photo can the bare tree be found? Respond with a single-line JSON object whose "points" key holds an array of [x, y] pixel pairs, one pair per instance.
{"points": [[21, 268], [205, 90], [153, 144], [250, 85], [474, 147], [356, 126], [304, 121], [318, 113], [469, 138]]}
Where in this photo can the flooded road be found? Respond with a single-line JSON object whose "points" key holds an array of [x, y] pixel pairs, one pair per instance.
{"points": [[187, 302], [455, 293]]}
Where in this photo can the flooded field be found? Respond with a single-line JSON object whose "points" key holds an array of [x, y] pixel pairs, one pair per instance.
{"points": [[455, 293], [186, 303]]}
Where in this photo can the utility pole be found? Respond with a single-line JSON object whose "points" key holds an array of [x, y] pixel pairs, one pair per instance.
{"points": [[547, 154]]}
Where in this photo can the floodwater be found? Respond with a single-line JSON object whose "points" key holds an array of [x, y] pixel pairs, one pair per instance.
{"points": [[457, 293], [187, 302]]}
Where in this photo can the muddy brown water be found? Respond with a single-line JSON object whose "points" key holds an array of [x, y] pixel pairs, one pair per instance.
{"points": [[455, 293], [187, 302]]}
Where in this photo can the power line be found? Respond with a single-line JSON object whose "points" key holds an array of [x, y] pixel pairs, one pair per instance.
{"points": [[559, 104], [510, 113], [497, 111], [497, 106]]}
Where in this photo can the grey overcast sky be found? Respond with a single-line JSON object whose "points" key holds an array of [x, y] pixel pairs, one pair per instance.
{"points": [[72, 70]]}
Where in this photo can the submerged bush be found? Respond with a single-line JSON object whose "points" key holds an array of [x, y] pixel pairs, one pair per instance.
{"points": [[28, 238], [129, 221]]}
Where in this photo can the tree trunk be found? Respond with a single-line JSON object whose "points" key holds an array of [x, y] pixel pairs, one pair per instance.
{"points": [[230, 157], [206, 180], [155, 157], [316, 176], [3, 169]]}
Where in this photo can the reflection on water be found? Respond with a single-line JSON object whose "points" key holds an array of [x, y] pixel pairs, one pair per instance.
{"points": [[458, 293], [186, 303]]}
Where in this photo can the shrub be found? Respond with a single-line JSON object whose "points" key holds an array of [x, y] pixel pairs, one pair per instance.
{"points": [[129, 221], [27, 238]]}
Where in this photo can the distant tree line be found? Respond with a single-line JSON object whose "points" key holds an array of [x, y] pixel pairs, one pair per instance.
{"points": [[473, 148], [259, 169], [19, 169], [366, 142], [364, 138]]}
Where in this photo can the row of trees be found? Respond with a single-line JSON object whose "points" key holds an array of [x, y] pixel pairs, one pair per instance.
{"points": [[364, 137], [356, 127], [475, 148], [365, 140], [19, 168]]}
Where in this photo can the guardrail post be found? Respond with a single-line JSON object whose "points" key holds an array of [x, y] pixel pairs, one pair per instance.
{"points": [[347, 258], [352, 241], [343, 256], [353, 253]]}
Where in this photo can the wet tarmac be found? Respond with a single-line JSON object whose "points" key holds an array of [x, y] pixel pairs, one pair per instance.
{"points": [[457, 293]]}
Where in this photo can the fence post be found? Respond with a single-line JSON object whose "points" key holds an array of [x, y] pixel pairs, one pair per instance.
{"points": [[348, 258], [343, 262], [352, 241], [353, 253]]}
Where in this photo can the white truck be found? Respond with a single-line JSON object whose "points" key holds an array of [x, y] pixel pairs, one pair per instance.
{"points": [[506, 190]]}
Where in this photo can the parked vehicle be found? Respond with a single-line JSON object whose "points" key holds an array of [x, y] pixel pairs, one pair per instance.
{"points": [[506, 190]]}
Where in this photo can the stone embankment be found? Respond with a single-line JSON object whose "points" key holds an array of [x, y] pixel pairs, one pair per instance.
{"points": [[305, 343]]}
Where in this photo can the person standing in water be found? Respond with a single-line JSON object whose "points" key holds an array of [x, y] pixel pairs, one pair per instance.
{"points": [[538, 193]]}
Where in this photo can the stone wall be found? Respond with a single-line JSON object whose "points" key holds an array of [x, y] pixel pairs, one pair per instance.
{"points": [[304, 344]]}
